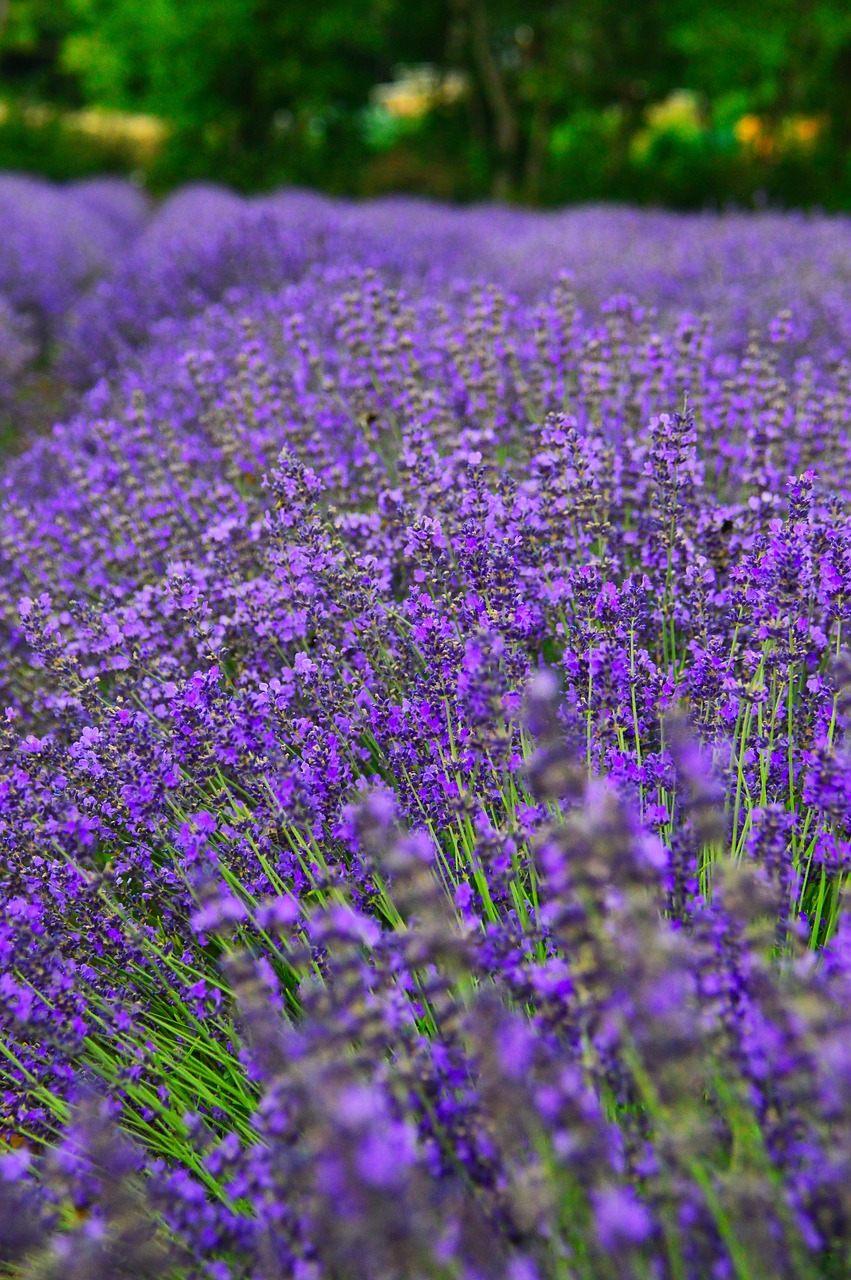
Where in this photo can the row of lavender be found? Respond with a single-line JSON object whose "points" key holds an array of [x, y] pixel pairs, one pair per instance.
{"points": [[54, 244], [425, 812], [86, 271]]}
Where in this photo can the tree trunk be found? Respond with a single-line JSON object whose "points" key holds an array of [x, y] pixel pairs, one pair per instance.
{"points": [[505, 127], [539, 140]]}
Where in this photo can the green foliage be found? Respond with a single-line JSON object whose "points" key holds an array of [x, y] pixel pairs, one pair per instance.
{"points": [[32, 34], [227, 63], [51, 149], [259, 92]]}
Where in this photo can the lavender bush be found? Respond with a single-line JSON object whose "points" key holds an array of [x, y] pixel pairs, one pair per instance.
{"points": [[204, 241], [57, 241], [54, 243], [424, 808]]}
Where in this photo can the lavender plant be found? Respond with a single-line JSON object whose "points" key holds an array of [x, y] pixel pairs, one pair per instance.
{"points": [[423, 814], [54, 243]]}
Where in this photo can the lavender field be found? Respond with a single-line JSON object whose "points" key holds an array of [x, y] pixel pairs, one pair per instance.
{"points": [[426, 790]]}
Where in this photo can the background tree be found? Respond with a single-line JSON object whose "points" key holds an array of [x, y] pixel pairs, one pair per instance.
{"points": [[258, 92]]}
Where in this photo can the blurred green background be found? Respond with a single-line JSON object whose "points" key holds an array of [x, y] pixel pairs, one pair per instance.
{"points": [[542, 102]]}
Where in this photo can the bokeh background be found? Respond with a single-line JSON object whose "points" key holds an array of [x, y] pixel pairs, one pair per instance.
{"points": [[541, 102]]}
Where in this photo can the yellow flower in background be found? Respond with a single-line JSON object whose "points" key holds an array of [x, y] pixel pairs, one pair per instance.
{"points": [[678, 113], [763, 139], [139, 136], [418, 90], [142, 135], [748, 129], [808, 129]]}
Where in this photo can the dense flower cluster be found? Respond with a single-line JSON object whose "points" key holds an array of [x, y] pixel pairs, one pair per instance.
{"points": [[424, 805], [204, 241]]}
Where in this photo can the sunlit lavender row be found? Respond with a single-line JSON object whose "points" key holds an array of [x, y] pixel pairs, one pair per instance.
{"points": [[425, 790]]}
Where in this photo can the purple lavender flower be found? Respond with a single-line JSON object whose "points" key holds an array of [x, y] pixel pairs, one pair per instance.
{"points": [[424, 731]]}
